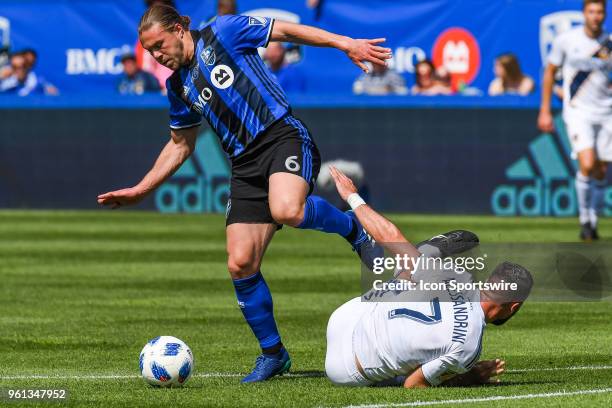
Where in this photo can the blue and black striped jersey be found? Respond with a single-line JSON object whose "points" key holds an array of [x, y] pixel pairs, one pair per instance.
{"points": [[228, 84]]}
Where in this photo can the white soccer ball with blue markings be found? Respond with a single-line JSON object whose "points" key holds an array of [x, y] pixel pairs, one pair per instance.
{"points": [[166, 361]]}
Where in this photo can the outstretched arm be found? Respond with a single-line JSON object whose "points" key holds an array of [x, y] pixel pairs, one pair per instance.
{"points": [[358, 51], [545, 119], [380, 228], [484, 372], [173, 155]]}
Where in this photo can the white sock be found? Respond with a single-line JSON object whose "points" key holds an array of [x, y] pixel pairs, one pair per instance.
{"points": [[583, 191], [597, 197]]}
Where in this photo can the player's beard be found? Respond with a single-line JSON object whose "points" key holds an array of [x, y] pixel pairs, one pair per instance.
{"points": [[180, 56]]}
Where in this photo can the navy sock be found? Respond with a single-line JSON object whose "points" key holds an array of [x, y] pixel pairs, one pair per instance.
{"points": [[255, 301], [321, 215]]}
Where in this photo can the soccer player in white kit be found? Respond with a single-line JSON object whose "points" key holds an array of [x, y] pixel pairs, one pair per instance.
{"points": [[423, 343], [584, 55]]}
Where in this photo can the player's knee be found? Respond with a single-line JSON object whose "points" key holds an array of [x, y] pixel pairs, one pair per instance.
{"points": [[242, 263], [287, 212]]}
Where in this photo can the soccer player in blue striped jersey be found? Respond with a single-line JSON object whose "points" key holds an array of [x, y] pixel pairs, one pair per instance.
{"points": [[219, 75]]}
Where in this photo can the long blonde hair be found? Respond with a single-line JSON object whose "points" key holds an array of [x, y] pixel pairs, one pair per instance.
{"points": [[167, 17]]}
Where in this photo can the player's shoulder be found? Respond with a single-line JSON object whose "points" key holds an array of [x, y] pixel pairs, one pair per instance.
{"points": [[573, 34], [174, 85], [239, 21], [229, 21], [468, 346]]}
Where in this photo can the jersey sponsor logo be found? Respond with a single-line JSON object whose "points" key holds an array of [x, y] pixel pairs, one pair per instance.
{"points": [[542, 181], [195, 73], [222, 76], [254, 20], [87, 61], [405, 59], [551, 25], [203, 98], [201, 184], [293, 52], [457, 50], [208, 55], [185, 91]]}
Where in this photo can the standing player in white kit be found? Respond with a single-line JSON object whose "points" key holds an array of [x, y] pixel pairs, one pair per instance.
{"points": [[423, 343], [584, 55]]}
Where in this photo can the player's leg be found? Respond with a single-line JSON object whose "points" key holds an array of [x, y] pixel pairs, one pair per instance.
{"points": [[246, 245], [249, 230], [603, 151], [587, 163], [598, 187], [581, 134], [291, 205], [293, 171]]}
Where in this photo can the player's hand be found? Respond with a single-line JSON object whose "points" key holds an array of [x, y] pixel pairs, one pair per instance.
{"points": [[545, 122], [485, 371], [126, 196], [360, 51], [344, 185]]}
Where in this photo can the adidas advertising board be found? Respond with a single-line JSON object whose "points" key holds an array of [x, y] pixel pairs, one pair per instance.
{"points": [[201, 184], [542, 181]]}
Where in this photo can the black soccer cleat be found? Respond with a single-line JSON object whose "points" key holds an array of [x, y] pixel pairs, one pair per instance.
{"points": [[595, 233], [449, 243], [586, 232]]}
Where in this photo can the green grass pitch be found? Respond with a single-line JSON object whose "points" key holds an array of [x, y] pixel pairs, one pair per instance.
{"points": [[81, 293]]}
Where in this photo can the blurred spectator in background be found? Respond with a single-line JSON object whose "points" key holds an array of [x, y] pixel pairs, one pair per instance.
{"points": [[31, 57], [289, 76], [149, 3], [29, 54], [380, 80], [22, 79], [509, 79], [430, 81], [145, 60], [225, 7], [4, 56], [6, 70], [317, 6], [134, 80]]}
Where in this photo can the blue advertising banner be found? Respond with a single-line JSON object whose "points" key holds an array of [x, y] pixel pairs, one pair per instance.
{"points": [[80, 42], [443, 161]]}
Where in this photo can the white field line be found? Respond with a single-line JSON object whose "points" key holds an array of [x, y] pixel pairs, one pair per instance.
{"points": [[571, 368], [231, 375], [487, 399]]}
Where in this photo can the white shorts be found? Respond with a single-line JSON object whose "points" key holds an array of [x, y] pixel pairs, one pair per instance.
{"points": [[340, 365], [588, 134]]}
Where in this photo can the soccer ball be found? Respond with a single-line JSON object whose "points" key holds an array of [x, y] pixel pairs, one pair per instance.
{"points": [[166, 361]]}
